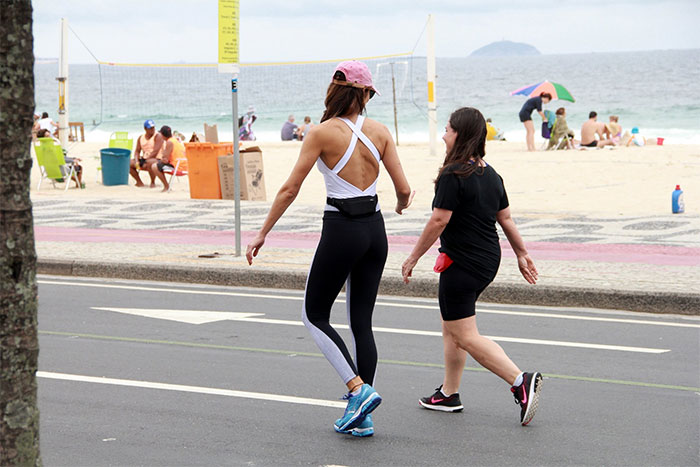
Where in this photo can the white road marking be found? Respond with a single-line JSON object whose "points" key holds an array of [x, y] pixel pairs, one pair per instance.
{"points": [[193, 389], [249, 317], [183, 316], [379, 303]]}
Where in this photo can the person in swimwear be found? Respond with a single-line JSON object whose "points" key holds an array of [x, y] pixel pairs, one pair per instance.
{"points": [[592, 128], [533, 103]]}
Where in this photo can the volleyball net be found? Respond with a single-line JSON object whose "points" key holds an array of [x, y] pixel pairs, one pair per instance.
{"points": [[275, 90], [120, 95]]}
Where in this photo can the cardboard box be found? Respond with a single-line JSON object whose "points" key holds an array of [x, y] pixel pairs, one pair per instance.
{"points": [[252, 175], [211, 134]]}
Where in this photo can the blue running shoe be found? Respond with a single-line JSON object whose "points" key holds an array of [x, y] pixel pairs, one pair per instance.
{"points": [[358, 408], [366, 428]]}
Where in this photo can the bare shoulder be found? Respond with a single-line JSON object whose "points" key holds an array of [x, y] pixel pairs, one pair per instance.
{"points": [[378, 132], [325, 130]]}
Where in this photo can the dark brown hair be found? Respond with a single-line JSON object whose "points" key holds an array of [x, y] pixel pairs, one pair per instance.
{"points": [[546, 94], [470, 145], [560, 111], [343, 100]]}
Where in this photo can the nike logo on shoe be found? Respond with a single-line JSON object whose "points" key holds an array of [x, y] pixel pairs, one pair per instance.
{"points": [[434, 401]]}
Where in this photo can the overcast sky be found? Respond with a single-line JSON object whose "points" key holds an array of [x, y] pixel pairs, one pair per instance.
{"points": [[167, 31]]}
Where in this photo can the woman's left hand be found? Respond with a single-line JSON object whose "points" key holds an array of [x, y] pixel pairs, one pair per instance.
{"points": [[407, 268], [527, 268]]}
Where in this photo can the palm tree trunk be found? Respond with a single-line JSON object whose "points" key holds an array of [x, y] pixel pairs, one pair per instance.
{"points": [[19, 346]]}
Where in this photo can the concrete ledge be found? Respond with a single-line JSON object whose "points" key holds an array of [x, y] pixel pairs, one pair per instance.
{"points": [[677, 303]]}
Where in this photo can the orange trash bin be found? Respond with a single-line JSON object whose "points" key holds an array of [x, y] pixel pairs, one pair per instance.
{"points": [[203, 168]]}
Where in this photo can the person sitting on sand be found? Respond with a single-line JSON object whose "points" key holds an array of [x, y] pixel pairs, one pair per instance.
{"points": [[614, 129], [590, 129], [74, 161], [245, 124], [173, 150], [636, 139], [493, 133], [561, 130], [304, 129], [148, 149], [289, 130]]}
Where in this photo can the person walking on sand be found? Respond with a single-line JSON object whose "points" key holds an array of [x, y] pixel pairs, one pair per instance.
{"points": [[148, 150], [533, 103], [469, 199], [346, 148]]}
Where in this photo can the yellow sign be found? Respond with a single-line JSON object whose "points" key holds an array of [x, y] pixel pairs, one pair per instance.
{"points": [[228, 31]]}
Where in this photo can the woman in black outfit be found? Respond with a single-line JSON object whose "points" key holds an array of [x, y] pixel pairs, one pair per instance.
{"points": [[469, 199], [533, 103]]}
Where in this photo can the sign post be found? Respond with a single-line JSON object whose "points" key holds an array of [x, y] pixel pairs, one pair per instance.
{"points": [[228, 63]]}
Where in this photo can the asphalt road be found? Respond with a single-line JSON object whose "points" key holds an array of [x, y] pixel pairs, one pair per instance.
{"points": [[248, 386]]}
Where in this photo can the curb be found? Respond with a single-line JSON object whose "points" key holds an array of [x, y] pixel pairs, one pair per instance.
{"points": [[520, 294]]}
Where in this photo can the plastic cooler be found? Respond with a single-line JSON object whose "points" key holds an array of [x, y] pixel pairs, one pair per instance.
{"points": [[115, 166], [203, 168]]}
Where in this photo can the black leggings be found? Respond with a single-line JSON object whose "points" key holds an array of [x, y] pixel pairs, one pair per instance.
{"points": [[351, 252]]}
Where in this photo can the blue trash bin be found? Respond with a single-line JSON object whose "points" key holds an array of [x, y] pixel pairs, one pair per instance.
{"points": [[115, 166]]}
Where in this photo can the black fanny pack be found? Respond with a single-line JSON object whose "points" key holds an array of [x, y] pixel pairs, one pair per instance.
{"points": [[360, 206]]}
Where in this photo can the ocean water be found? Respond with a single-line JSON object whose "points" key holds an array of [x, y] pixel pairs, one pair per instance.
{"points": [[657, 91]]}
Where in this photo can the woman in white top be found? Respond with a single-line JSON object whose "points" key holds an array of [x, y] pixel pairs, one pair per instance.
{"points": [[347, 148]]}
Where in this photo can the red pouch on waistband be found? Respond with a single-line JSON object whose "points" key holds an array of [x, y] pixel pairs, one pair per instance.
{"points": [[442, 262]]}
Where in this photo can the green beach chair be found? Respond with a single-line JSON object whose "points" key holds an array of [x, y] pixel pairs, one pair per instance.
{"points": [[118, 139], [52, 165]]}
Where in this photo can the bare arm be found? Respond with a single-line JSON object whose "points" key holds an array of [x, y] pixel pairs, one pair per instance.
{"points": [[542, 115], [525, 263], [157, 144], [391, 161], [167, 152], [137, 151], [310, 152], [436, 224]]}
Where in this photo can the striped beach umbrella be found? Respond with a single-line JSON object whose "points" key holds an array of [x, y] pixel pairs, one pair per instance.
{"points": [[555, 89]]}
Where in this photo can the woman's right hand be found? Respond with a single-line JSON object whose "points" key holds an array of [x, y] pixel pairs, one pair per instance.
{"points": [[254, 247], [400, 207], [407, 268]]}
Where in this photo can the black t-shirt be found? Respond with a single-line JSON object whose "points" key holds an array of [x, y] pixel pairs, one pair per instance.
{"points": [[470, 238], [533, 103]]}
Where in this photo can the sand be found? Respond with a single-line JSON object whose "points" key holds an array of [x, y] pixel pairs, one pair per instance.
{"points": [[634, 181]]}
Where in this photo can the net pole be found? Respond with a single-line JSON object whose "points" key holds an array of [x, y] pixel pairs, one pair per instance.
{"points": [[236, 163], [393, 91], [432, 106], [63, 85]]}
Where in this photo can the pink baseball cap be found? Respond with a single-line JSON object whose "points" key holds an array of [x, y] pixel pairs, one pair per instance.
{"points": [[356, 73]]}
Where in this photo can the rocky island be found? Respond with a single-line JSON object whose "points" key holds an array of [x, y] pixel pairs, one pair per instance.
{"points": [[505, 49]]}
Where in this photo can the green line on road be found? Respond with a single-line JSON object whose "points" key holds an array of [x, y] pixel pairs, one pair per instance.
{"points": [[391, 362]]}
